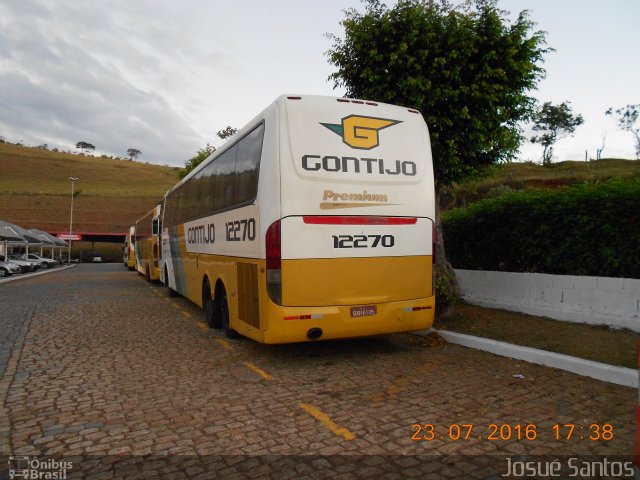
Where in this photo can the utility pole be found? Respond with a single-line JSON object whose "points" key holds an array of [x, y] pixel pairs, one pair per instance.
{"points": [[73, 183]]}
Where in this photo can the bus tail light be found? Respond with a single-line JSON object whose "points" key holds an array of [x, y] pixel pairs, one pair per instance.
{"points": [[274, 263]]}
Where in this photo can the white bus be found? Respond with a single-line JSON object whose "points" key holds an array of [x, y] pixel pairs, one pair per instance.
{"points": [[146, 240], [315, 221], [128, 249]]}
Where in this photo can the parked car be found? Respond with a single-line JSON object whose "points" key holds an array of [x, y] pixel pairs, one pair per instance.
{"points": [[45, 262], [23, 265], [8, 268], [35, 264], [96, 258]]}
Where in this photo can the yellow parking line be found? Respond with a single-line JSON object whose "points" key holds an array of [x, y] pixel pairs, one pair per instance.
{"points": [[186, 314], [203, 326], [327, 422], [226, 345], [259, 371]]}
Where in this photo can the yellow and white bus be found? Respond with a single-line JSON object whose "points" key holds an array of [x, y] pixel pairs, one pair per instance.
{"points": [[147, 250], [315, 221], [128, 249]]}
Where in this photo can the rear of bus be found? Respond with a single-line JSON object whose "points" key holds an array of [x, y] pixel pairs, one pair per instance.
{"points": [[146, 244], [130, 255], [351, 252]]}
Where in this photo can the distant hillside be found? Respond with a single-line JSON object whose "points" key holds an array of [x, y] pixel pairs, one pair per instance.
{"points": [[520, 176], [35, 190]]}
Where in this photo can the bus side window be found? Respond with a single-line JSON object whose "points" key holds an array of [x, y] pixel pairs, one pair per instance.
{"points": [[224, 179], [206, 189], [247, 164]]}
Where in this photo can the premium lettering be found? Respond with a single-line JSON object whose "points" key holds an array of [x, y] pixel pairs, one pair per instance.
{"points": [[355, 197]]}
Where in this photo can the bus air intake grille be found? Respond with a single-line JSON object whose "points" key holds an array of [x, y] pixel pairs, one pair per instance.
{"points": [[248, 294]]}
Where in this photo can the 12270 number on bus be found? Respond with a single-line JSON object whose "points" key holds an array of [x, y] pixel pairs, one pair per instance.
{"points": [[363, 241], [241, 230]]}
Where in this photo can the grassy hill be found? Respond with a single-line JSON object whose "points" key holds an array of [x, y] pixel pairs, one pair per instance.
{"points": [[35, 189], [518, 176]]}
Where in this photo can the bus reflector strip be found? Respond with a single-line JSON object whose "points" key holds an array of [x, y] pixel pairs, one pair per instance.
{"points": [[357, 220], [304, 317], [416, 309], [360, 102]]}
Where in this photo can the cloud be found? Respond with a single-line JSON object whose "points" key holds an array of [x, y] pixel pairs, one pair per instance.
{"points": [[91, 74]]}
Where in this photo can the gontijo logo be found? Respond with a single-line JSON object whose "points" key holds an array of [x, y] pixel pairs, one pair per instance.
{"points": [[360, 132]]}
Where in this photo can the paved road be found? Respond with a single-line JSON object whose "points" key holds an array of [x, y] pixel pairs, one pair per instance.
{"points": [[128, 383]]}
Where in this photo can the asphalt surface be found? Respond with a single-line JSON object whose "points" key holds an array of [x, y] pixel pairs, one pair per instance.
{"points": [[107, 372]]}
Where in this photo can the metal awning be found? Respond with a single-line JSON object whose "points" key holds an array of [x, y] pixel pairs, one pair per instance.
{"points": [[23, 234], [58, 241], [43, 236], [9, 234]]}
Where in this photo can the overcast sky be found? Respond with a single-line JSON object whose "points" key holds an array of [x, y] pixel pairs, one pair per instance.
{"points": [[164, 76]]}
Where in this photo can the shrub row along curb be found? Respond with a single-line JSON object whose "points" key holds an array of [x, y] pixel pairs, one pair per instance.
{"points": [[587, 229]]}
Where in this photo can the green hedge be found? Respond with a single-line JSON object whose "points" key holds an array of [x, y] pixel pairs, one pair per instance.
{"points": [[588, 229]]}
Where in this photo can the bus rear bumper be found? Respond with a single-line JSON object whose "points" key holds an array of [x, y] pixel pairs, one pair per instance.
{"points": [[303, 324]]}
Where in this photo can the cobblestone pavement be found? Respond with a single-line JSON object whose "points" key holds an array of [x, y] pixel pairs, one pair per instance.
{"points": [[112, 375]]}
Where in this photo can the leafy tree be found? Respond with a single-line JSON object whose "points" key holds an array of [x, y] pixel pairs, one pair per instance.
{"points": [[196, 160], [628, 121], [553, 122], [205, 152], [227, 132], [133, 153], [467, 69], [85, 146]]}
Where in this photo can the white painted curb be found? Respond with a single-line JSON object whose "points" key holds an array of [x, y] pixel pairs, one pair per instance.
{"points": [[627, 377], [24, 276]]}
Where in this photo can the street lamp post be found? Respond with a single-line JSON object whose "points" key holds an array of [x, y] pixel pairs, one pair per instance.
{"points": [[73, 182]]}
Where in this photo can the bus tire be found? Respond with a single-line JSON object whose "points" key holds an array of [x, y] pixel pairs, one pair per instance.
{"points": [[222, 308], [208, 305], [148, 275]]}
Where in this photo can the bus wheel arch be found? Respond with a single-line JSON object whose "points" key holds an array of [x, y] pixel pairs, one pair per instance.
{"points": [[221, 307], [208, 305]]}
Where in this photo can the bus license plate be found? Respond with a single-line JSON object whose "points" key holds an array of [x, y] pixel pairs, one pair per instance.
{"points": [[364, 311]]}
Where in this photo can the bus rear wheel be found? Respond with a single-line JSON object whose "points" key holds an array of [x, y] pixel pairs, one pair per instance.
{"points": [[208, 306], [222, 310]]}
